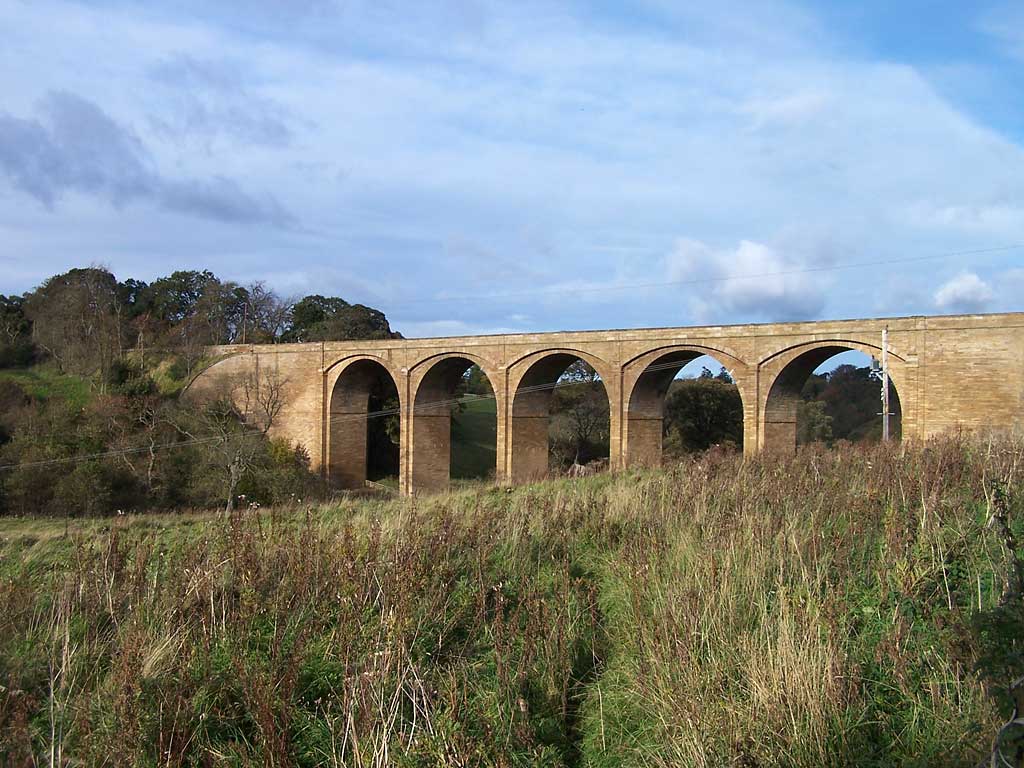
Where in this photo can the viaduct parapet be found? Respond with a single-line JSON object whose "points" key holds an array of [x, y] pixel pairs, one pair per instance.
{"points": [[948, 372]]}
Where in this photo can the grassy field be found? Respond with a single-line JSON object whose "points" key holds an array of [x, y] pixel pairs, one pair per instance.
{"points": [[474, 439], [839, 608]]}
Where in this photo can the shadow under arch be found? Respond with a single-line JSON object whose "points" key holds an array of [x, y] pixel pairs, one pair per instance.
{"points": [[532, 399], [792, 368], [365, 389], [438, 390], [647, 380]]}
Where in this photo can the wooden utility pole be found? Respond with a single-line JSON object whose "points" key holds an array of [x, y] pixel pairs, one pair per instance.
{"points": [[885, 383]]}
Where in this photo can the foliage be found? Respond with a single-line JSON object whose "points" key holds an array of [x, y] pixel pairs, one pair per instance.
{"points": [[723, 375], [131, 452], [93, 424], [701, 413], [319, 318], [826, 609], [843, 404], [477, 383], [13, 402], [383, 430], [579, 429], [16, 349], [75, 320], [813, 422], [85, 320]]}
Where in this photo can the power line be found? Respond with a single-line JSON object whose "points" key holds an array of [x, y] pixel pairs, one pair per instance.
{"points": [[556, 290], [477, 397], [559, 290], [333, 420], [109, 454], [552, 290]]}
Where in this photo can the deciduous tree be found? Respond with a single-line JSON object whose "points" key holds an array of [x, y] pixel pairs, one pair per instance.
{"points": [[76, 320], [700, 413]]}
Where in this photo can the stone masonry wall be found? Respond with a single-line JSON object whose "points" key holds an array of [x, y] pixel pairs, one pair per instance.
{"points": [[950, 372]]}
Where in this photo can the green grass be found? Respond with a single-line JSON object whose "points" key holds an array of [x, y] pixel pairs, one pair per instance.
{"points": [[45, 382], [163, 376], [838, 608], [473, 440]]}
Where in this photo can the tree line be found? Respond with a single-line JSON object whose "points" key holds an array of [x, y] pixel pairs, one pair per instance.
{"points": [[85, 320], [90, 369]]}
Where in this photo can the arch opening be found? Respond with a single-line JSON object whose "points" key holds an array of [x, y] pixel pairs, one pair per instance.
{"points": [[560, 418], [682, 402], [826, 395], [474, 427], [454, 433], [365, 427]]}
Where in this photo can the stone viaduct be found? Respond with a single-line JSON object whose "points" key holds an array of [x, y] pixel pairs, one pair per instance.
{"points": [[948, 372]]}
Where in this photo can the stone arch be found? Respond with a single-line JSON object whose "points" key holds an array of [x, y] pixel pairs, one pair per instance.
{"points": [[532, 379], [215, 374], [433, 384], [783, 375], [645, 384], [352, 382]]}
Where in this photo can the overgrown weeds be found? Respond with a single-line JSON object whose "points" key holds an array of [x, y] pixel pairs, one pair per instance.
{"points": [[837, 608]]}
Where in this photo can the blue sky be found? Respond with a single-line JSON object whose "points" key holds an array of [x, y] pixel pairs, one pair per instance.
{"points": [[477, 166]]}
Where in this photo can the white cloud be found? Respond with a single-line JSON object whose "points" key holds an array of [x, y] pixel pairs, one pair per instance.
{"points": [[964, 293], [792, 109], [980, 218], [751, 280]]}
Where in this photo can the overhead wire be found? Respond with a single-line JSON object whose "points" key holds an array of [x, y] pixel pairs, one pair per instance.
{"points": [[539, 387], [109, 454], [562, 289], [473, 397], [353, 417]]}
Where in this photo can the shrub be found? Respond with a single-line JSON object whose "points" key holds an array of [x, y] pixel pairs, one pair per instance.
{"points": [[280, 475], [130, 379]]}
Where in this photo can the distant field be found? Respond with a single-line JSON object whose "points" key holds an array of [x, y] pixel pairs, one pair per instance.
{"points": [[473, 444]]}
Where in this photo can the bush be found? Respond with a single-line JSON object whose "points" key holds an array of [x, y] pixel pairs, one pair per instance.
{"points": [[130, 379], [281, 475], [19, 354], [13, 402], [701, 413], [137, 452], [83, 490]]}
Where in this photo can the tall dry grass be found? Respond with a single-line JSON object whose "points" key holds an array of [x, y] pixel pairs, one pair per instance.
{"points": [[837, 608]]}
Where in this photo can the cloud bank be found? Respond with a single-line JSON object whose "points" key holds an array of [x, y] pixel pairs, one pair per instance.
{"points": [[74, 146]]}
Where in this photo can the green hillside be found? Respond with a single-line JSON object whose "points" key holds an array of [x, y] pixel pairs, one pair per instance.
{"points": [[474, 440], [45, 383]]}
